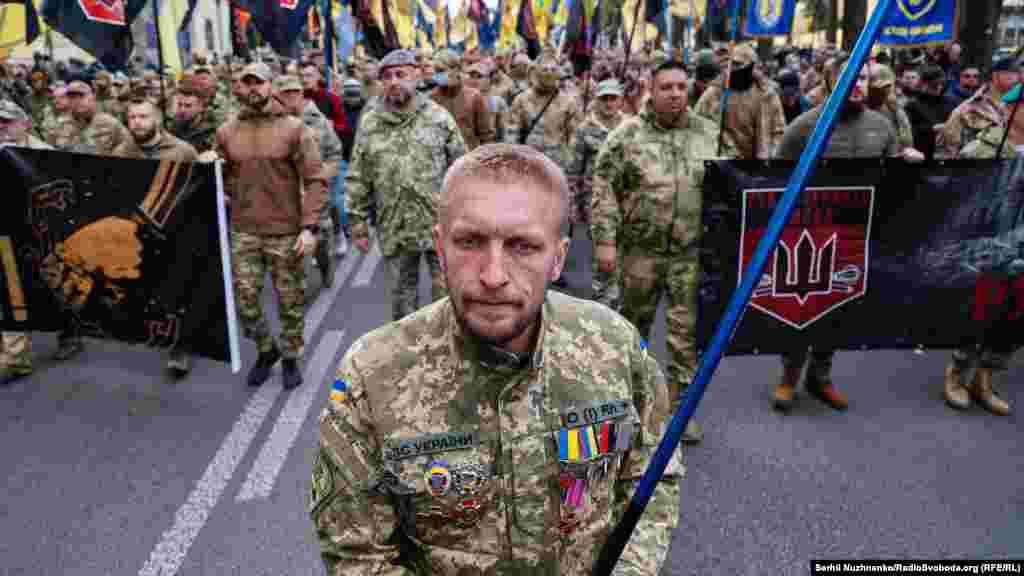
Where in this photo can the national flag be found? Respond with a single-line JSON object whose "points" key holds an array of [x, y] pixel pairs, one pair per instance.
{"points": [[31, 17], [489, 27], [279, 21], [527, 29], [100, 27], [390, 32], [425, 20], [344, 33], [373, 37]]}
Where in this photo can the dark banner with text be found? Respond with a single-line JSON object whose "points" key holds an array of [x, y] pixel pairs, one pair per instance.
{"points": [[127, 250], [877, 254]]}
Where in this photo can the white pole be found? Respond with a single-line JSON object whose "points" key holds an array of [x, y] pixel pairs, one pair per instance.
{"points": [[225, 255]]}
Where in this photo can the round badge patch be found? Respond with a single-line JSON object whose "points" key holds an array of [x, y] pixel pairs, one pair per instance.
{"points": [[438, 478]]}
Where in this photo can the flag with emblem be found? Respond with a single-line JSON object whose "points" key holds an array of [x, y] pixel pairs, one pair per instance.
{"points": [[279, 21], [100, 27]]}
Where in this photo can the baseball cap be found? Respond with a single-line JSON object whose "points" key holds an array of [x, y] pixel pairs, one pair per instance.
{"points": [[258, 70], [743, 56], [609, 87], [11, 111], [397, 58], [78, 86]]}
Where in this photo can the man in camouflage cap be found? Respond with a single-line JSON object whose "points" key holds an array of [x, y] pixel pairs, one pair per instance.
{"points": [[515, 421], [105, 97], [290, 93], [882, 99], [463, 102], [604, 116], [16, 347], [405, 144], [58, 118], [91, 131], [647, 217], [754, 119], [980, 112]]}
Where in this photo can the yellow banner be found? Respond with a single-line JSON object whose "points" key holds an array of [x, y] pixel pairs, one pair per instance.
{"points": [[510, 10]]}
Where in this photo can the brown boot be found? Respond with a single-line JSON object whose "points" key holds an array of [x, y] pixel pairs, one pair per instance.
{"points": [[825, 391], [981, 390], [953, 389], [785, 390]]}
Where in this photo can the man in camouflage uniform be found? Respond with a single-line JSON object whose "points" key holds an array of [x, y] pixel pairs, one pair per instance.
{"points": [[403, 148], [515, 422], [192, 120], [980, 112], [988, 356], [274, 176], [40, 100], [519, 75], [647, 203], [882, 99], [16, 349], [105, 98], [754, 117], [59, 116], [290, 94], [604, 116], [463, 102], [91, 131]]}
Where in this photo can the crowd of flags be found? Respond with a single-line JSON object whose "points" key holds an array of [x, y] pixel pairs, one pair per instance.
{"points": [[102, 27]]}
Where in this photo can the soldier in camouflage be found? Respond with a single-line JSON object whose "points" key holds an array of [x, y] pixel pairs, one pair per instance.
{"points": [[882, 99], [754, 117], [463, 102], [16, 347], [990, 356], [647, 204], [290, 94], [605, 116], [515, 421], [40, 100], [60, 116], [519, 78], [105, 99], [980, 112], [403, 148], [274, 175]]}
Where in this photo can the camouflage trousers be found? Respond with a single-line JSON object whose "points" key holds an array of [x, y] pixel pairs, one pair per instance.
{"points": [[252, 257], [820, 367], [16, 354], [646, 276], [605, 289], [405, 269]]}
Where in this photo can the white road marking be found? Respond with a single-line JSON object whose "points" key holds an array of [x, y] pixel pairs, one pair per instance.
{"points": [[369, 265], [167, 557], [272, 456]]}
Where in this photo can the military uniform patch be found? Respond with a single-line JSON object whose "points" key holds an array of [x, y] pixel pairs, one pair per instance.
{"points": [[339, 391], [430, 444]]}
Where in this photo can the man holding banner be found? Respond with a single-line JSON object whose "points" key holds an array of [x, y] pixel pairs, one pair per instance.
{"points": [[859, 133]]}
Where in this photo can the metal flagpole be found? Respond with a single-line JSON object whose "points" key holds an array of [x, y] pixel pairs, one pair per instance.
{"points": [[616, 542], [723, 106], [328, 42]]}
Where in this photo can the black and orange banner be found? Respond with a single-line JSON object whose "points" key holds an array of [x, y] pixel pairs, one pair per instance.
{"points": [[877, 254], [129, 249]]}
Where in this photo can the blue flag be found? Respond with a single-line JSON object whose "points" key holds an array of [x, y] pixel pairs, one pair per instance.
{"points": [[100, 27], [918, 23], [279, 21], [489, 27], [770, 17]]}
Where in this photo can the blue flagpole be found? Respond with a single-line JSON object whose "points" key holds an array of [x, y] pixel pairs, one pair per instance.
{"points": [[329, 43], [617, 541]]}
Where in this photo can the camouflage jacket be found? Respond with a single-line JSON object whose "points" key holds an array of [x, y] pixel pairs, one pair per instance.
{"points": [[41, 106], [986, 145], [53, 126], [754, 120], [900, 122], [399, 160], [507, 466], [99, 136], [977, 114], [588, 140], [647, 183], [552, 134], [330, 146]]}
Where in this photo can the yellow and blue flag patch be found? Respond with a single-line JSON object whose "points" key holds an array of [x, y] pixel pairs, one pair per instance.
{"points": [[339, 390]]}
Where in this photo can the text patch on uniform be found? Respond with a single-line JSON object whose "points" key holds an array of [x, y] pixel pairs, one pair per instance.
{"points": [[430, 444]]}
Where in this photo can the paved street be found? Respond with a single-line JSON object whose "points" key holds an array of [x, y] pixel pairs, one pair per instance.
{"points": [[111, 470]]}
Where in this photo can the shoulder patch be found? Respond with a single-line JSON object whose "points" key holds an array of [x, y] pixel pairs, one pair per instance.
{"points": [[339, 390]]}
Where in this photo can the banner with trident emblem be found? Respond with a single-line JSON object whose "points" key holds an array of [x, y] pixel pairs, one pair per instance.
{"points": [[770, 17]]}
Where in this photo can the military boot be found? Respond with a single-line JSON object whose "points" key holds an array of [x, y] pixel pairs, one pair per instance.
{"points": [[785, 390], [981, 390], [259, 373], [953, 389], [825, 391]]}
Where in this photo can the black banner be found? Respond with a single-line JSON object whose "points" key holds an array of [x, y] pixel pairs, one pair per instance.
{"points": [[878, 254], [128, 249]]}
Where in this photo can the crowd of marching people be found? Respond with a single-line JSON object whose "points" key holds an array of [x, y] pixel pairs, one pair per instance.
{"points": [[366, 152]]}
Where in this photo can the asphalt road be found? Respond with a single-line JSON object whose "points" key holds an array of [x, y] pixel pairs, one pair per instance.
{"points": [[110, 469]]}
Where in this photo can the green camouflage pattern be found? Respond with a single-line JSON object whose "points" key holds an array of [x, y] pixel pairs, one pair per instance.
{"points": [[398, 161], [754, 122], [553, 133], [53, 126], [405, 270], [99, 136], [900, 122], [647, 183], [465, 443], [987, 143], [252, 257], [219, 109], [331, 154], [41, 106], [975, 115]]}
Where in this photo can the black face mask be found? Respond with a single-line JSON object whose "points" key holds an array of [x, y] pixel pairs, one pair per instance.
{"points": [[741, 79]]}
